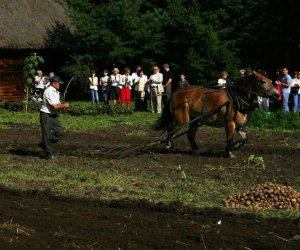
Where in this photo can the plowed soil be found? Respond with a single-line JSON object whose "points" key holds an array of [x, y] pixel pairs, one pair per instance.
{"points": [[34, 220]]}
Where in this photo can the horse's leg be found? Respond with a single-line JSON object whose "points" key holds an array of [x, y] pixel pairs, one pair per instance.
{"points": [[191, 137], [230, 128], [170, 141], [181, 118], [243, 136]]}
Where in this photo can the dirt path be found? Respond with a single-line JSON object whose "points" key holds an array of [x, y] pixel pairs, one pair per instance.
{"points": [[31, 221]]}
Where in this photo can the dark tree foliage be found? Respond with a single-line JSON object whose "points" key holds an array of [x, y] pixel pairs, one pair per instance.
{"points": [[197, 37]]}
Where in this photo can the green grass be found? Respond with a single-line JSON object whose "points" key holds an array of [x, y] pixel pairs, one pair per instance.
{"points": [[274, 121], [83, 122], [115, 179]]}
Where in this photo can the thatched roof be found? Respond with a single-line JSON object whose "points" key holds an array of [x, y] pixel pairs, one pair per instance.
{"points": [[29, 24]]}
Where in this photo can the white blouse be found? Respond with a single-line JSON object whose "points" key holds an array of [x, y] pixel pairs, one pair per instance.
{"points": [[140, 83], [115, 80], [295, 82], [222, 82]]}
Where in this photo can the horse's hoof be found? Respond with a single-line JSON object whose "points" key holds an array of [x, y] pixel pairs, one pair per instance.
{"points": [[237, 145], [230, 155], [168, 147]]}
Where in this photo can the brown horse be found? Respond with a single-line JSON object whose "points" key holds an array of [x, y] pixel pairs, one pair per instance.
{"points": [[228, 108]]}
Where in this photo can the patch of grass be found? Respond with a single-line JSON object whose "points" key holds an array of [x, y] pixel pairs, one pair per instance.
{"points": [[116, 179], [276, 121], [18, 117], [81, 123]]}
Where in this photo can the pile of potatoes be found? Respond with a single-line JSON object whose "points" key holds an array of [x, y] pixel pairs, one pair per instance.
{"points": [[266, 196]]}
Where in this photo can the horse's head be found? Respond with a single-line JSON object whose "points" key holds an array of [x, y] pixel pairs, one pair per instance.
{"points": [[262, 85]]}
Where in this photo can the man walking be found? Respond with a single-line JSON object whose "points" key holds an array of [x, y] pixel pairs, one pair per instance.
{"points": [[52, 131]]}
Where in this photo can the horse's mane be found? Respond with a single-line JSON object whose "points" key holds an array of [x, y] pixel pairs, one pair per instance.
{"points": [[263, 72]]}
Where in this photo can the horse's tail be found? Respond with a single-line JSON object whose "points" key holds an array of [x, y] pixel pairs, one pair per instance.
{"points": [[165, 119]]}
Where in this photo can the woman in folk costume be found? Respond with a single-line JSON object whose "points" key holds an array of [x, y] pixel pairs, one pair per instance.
{"points": [[140, 82], [93, 80], [125, 88], [115, 84]]}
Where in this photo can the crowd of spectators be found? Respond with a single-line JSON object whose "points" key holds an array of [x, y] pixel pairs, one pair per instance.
{"points": [[149, 93], [153, 92], [287, 86]]}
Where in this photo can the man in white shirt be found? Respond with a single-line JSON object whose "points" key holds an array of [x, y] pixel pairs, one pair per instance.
{"points": [[156, 90], [52, 131]]}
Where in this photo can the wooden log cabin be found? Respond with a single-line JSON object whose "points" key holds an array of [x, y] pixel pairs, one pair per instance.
{"points": [[31, 26]]}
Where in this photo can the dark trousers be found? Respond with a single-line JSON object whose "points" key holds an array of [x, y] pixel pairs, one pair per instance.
{"points": [[167, 95], [140, 101], [52, 131]]}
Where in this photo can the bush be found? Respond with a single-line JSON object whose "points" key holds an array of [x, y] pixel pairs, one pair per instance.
{"points": [[74, 110], [98, 110], [20, 106], [277, 120]]}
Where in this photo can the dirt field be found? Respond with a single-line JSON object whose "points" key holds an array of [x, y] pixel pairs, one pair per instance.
{"points": [[38, 220]]}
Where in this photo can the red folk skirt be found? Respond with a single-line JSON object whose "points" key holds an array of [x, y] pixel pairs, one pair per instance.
{"points": [[278, 88], [125, 95]]}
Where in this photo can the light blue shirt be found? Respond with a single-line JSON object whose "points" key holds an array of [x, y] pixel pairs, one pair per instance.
{"points": [[285, 79]]}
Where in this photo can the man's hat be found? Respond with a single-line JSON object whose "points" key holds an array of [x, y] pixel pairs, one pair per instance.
{"points": [[56, 79]]}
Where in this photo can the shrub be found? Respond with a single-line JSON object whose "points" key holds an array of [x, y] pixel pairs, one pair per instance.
{"points": [[277, 120], [74, 110]]}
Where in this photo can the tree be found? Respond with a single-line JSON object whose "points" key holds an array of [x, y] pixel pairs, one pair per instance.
{"points": [[31, 64], [198, 38], [116, 32]]}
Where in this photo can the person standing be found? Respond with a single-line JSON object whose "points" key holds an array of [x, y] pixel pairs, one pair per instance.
{"points": [[125, 91], [104, 83], [183, 82], [134, 75], [296, 92], [263, 103], [167, 83], [278, 88], [52, 131], [40, 82], [242, 72], [139, 83], [223, 79], [51, 74], [115, 85], [94, 87], [285, 81], [156, 90]]}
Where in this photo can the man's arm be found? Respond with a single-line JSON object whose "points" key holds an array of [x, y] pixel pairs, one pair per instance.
{"points": [[61, 106]]}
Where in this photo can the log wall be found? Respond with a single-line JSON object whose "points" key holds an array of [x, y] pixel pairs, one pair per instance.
{"points": [[11, 79]]}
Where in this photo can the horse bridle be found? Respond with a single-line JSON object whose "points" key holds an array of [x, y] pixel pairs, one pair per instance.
{"points": [[259, 84]]}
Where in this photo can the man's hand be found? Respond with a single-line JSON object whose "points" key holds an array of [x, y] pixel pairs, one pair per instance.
{"points": [[66, 105], [61, 106]]}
